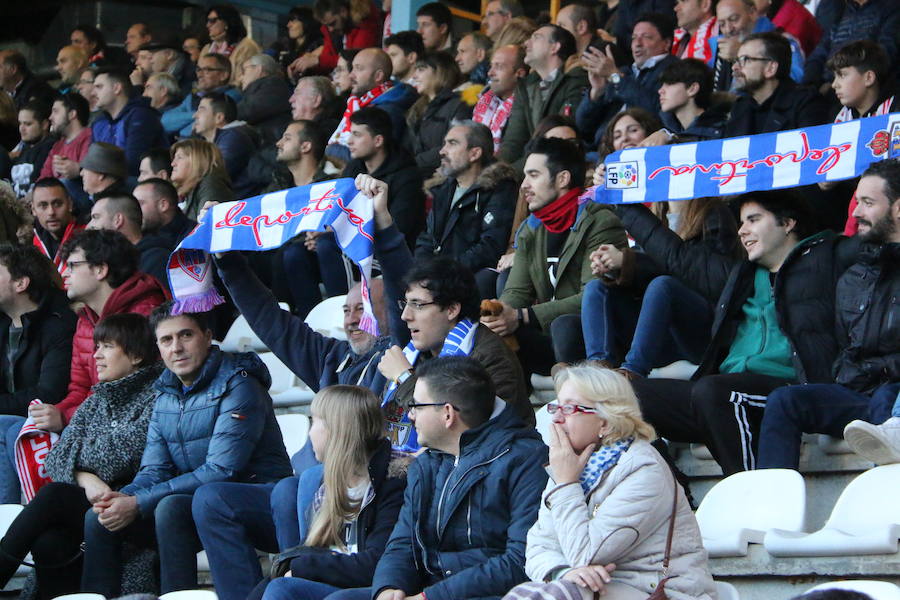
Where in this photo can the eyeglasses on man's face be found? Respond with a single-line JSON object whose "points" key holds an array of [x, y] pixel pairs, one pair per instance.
{"points": [[413, 304], [743, 60]]}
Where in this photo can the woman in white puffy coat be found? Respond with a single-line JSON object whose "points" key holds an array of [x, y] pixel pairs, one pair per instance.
{"points": [[605, 514]]}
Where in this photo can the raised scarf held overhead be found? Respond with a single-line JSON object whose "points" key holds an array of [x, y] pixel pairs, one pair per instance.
{"points": [[341, 135], [559, 215], [269, 221], [767, 161]]}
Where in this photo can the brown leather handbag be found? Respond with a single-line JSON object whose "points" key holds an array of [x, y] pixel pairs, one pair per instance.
{"points": [[660, 592]]}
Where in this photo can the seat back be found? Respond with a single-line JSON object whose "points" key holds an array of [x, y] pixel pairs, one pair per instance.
{"points": [[760, 500], [726, 591], [327, 317], [81, 596], [283, 378], [240, 337], [8, 514], [869, 502], [877, 590], [544, 421], [294, 431]]}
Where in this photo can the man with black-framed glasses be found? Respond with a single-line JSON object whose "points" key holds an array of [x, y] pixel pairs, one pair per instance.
{"points": [[213, 75], [471, 496], [769, 100]]}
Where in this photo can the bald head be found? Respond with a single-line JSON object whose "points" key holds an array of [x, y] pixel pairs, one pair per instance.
{"points": [[371, 68], [507, 66], [69, 62]]}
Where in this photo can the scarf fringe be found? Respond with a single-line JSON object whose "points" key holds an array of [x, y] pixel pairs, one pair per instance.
{"points": [[197, 303]]}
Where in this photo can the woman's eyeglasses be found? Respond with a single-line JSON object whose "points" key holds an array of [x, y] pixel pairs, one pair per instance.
{"points": [[570, 409]]}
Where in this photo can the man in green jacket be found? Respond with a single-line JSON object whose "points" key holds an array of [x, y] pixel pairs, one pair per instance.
{"points": [[542, 297], [548, 90]]}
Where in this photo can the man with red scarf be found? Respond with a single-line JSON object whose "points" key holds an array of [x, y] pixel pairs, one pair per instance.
{"points": [[54, 220], [696, 26], [542, 297], [370, 78]]}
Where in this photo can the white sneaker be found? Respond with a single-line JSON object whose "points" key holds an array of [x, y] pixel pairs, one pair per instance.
{"points": [[878, 443]]}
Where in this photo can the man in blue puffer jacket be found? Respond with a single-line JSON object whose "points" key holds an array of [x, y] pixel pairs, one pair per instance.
{"points": [[213, 421], [470, 498]]}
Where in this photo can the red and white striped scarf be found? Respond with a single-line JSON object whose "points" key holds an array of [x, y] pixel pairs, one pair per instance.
{"points": [[493, 112], [71, 229], [32, 447], [697, 46], [341, 135]]}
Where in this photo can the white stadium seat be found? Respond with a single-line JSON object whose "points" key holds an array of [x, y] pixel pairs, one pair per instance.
{"points": [[286, 388], [877, 590], [739, 510], [240, 338], [327, 317], [865, 520], [8, 513], [190, 595], [726, 591], [294, 431]]}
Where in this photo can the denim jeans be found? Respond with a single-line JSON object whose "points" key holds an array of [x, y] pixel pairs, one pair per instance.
{"points": [[671, 322], [233, 519], [176, 537], [815, 408], [304, 269], [10, 490], [296, 588], [674, 324], [895, 412]]}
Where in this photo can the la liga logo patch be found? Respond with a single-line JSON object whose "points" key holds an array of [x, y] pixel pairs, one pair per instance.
{"points": [[622, 175]]}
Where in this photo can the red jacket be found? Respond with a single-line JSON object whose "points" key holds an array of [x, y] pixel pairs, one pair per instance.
{"points": [[796, 20], [365, 35], [140, 293]]}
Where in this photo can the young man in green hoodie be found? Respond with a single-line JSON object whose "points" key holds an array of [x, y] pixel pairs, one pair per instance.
{"points": [[772, 325]]}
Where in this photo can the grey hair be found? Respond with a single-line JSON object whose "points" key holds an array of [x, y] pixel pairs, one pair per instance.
{"points": [[268, 64], [477, 136], [168, 82], [322, 86]]}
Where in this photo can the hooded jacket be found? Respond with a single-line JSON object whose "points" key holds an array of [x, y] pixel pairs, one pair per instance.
{"points": [[135, 129], [426, 135], [373, 524], [474, 231], [868, 320], [221, 428], [395, 102], [462, 529], [406, 199], [41, 362], [803, 291], [529, 284], [624, 520], [140, 293]]}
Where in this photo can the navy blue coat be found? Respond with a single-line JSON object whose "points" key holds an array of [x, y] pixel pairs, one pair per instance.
{"points": [[222, 428], [135, 129], [463, 524]]}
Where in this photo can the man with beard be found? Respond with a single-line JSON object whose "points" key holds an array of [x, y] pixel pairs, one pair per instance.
{"points": [[68, 120], [30, 154], [474, 204], [867, 368], [770, 100]]}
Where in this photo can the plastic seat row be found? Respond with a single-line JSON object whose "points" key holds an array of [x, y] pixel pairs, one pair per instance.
{"points": [[768, 507]]}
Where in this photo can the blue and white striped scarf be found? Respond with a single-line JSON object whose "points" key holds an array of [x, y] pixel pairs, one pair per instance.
{"points": [[459, 342], [602, 460], [766, 161], [269, 221]]}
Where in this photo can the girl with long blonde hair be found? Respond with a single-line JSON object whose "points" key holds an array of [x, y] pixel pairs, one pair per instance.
{"points": [[347, 505]]}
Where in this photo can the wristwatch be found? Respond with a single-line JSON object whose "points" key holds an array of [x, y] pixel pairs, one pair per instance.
{"points": [[615, 78], [404, 376]]}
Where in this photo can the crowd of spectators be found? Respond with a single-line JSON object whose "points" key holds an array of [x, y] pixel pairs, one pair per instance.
{"points": [[476, 144]]}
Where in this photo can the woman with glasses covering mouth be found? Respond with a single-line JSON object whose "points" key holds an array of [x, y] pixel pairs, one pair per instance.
{"points": [[605, 514]]}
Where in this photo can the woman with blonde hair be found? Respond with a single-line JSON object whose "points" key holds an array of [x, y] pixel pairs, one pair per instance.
{"points": [[604, 520], [199, 176], [515, 32], [345, 507], [435, 76]]}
